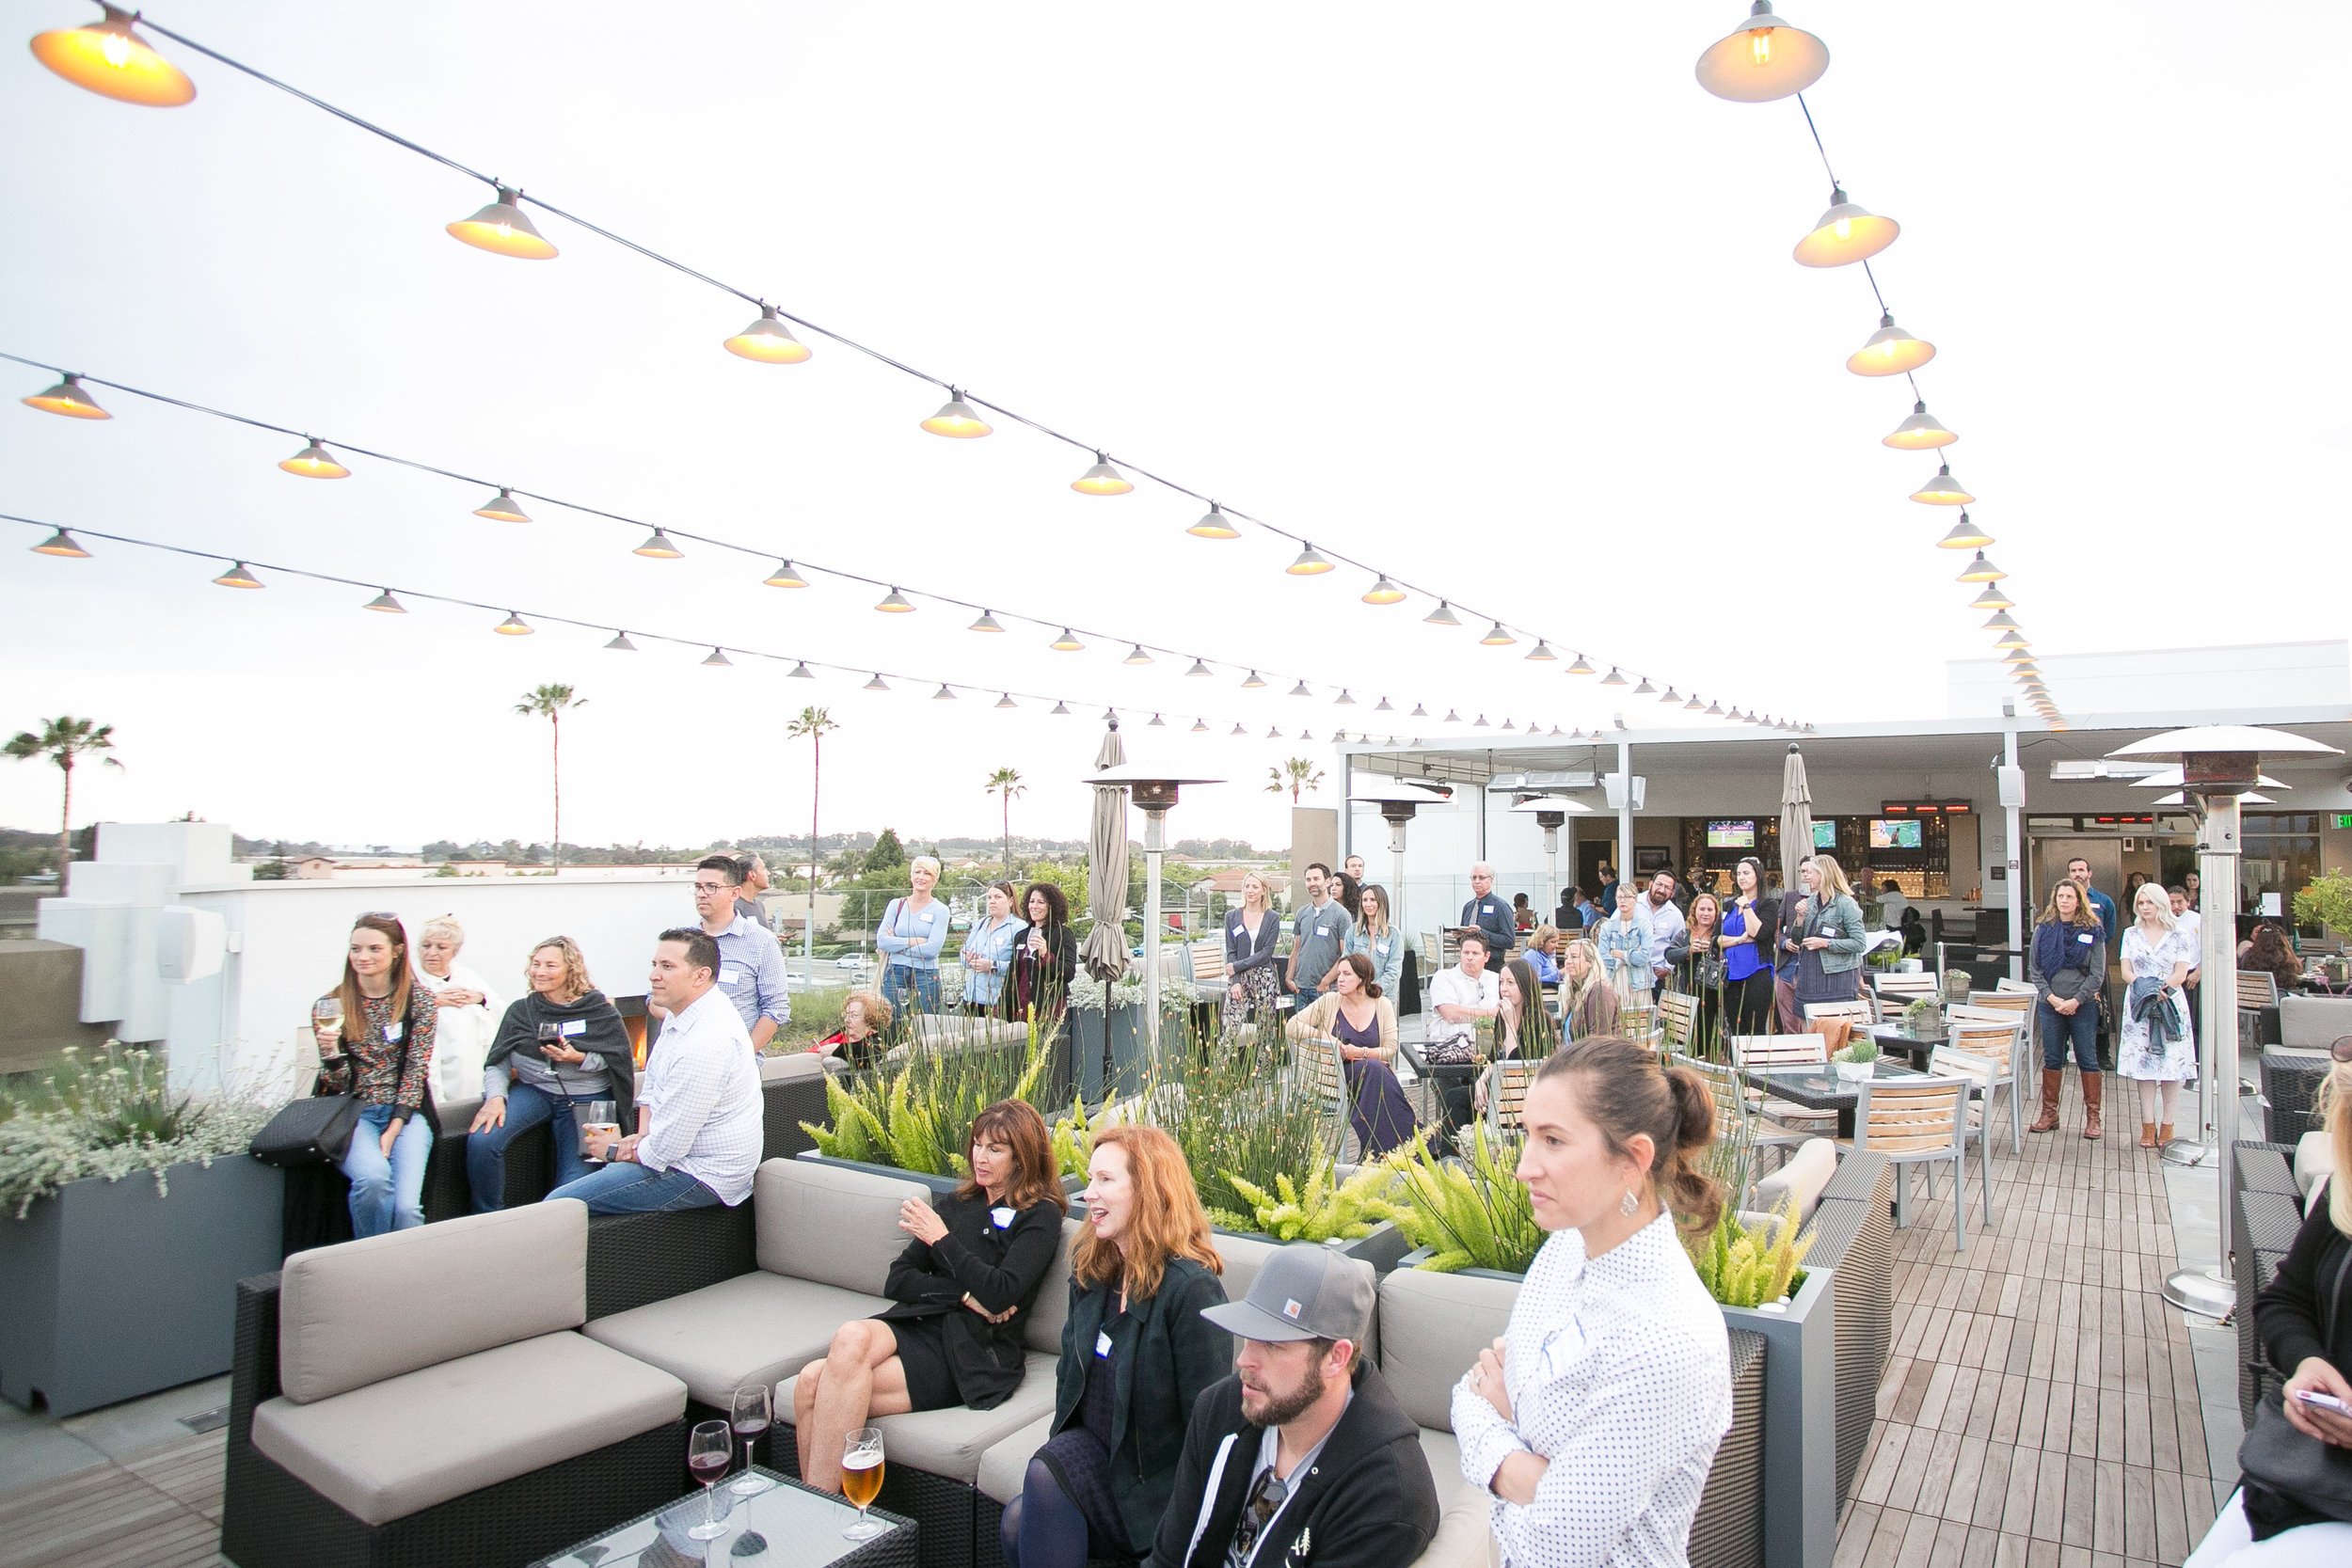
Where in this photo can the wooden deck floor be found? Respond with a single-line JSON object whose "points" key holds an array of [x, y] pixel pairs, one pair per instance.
{"points": [[2039, 1409]]}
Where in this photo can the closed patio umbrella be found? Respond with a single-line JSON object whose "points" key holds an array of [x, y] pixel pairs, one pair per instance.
{"points": [[1796, 818], [1104, 950]]}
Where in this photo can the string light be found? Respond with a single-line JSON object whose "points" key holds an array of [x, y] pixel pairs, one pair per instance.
{"points": [[1418, 712], [1384, 707], [503, 229], [1845, 234], [502, 508], [986, 623], [956, 419], [1482, 722], [1384, 592], [1919, 432], [1198, 669], [1101, 479], [1343, 700], [877, 684], [1451, 716], [1764, 59], [1541, 653], [1300, 691], [1965, 535], [1890, 351], [2000, 621], [657, 548], [801, 673], [894, 603], [1066, 643], [1238, 730], [110, 58], [1254, 683], [66, 398], [2013, 638], [1943, 490], [1137, 655], [1442, 616], [1645, 690], [514, 625], [1309, 564], [1992, 598], [62, 544], [1200, 726], [1671, 698], [1693, 706], [1157, 724], [1006, 701], [942, 694], [718, 660], [1613, 678], [237, 576], [621, 645], [785, 577], [1582, 667], [1497, 638], [1061, 711], [385, 604], [1714, 710], [314, 462], [768, 340], [1213, 523], [1980, 570]]}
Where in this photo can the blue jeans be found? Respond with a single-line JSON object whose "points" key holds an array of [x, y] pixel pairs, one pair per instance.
{"points": [[525, 1108], [2058, 1030], [627, 1188], [386, 1195], [900, 979]]}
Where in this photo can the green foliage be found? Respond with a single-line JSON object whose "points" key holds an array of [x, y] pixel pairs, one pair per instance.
{"points": [[2327, 902], [1324, 1208], [108, 1115], [1750, 1267], [1235, 1107], [887, 854], [1864, 1049], [918, 1114], [1922, 1014], [1073, 1141], [1472, 1213]]}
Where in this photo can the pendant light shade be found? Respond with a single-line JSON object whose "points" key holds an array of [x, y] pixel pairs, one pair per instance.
{"points": [[385, 604], [2017, 656], [1213, 523], [1066, 643], [1101, 479], [1845, 234], [956, 419], [1497, 638], [768, 340], [1309, 564], [66, 398], [1541, 653], [942, 694], [1943, 490], [801, 672], [877, 684], [1966, 535], [1198, 669], [1766, 58], [657, 548], [1300, 691], [621, 645], [238, 577], [1695, 705], [1981, 570], [314, 462], [1672, 698], [1613, 678], [1482, 722], [1418, 712], [1384, 706], [1200, 726], [986, 623], [503, 230], [1992, 598], [1714, 710], [1061, 711], [1137, 655], [894, 603], [785, 577], [502, 508], [1004, 700], [110, 58], [514, 625], [1582, 666], [2013, 638], [1451, 716], [1273, 732], [719, 660], [1343, 700], [1384, 592], [1236, 730], [1645, 690], [1509, 724], [2000, 621], [1442, 616], [62, 545], [1157, 723], [1890, 351], [1919, 432], [1254, 683]]}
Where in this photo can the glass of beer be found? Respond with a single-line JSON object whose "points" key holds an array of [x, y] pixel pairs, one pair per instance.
{"points": [[598, 1128], [861, 1479]]}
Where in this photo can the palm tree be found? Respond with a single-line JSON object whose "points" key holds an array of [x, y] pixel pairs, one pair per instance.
{"points": [[1295, 775], [1006, 782], [548, 703], [63, 741], [813, 722]]}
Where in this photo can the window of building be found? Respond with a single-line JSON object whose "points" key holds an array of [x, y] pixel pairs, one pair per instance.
{"points": [[2281, 855]]}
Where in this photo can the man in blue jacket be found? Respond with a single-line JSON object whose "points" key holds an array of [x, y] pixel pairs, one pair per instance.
{"points": [[2079, 873], [1490, 915]]}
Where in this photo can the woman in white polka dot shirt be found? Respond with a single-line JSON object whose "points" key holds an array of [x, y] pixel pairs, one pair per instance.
{"points": [[1595, 1419]]}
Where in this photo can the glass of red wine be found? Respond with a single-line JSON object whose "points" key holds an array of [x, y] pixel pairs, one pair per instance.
{"points": [[752, 1412], [708, 1453]]}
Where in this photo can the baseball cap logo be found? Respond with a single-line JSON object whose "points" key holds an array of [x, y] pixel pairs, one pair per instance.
{"points": [[1290, 1309]]}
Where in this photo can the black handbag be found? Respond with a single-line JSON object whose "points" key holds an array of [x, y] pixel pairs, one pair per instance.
{"points": [[2294, 1464], [315, 1131]]}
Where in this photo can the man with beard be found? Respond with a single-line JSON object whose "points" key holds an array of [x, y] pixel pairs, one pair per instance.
{"points": [[1303, 1455]]}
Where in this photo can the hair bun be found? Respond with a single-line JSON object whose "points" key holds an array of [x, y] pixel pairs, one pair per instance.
{"points": [[1371, 988], [1694, 1104]]}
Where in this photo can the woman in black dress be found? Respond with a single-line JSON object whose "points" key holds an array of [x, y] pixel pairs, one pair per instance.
{"points": [[962, 1285], [1046, 958]]}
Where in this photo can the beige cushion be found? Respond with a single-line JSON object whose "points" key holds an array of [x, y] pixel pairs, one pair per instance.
{"points": [[2312, 1022], [1041, 1330], [402, 1445], [1463, 1510], [1006, 1465], [1805, 1174], [366, 1310], [757, 1327], [2314, 1157], [829, 1224], [1432, 1327], [456, 1116], [951, 1442], [792, 1064]]}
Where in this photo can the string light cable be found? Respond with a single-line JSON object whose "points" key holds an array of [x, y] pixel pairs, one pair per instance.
{"points": [[502, 228]]}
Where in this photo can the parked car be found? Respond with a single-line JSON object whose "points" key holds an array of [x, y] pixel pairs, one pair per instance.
{"points": [[849, 961]]}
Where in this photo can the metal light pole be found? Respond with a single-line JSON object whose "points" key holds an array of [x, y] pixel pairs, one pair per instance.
{"points": [[1155, 793], [1398, 799], [2219, 763], [1551, 812]]}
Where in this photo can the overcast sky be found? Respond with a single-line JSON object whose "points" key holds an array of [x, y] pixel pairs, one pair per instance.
{"points": [[1493, 296]]}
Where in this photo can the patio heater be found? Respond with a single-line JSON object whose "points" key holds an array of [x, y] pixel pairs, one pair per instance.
{"points": [[1398, 799], [2219, 765], [1551, 815], [1155, 793]]}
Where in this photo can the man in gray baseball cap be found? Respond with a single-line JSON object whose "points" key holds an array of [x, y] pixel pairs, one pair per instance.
{"points": [[1303, 1455]]}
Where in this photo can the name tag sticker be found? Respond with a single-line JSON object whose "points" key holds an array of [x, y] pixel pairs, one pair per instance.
{"points": [[1563, 1350], [1102, 1345], [574, 1027], [394, 1033], [1323, 930], [2086, 939], [730, 977], [1003, 1215]]}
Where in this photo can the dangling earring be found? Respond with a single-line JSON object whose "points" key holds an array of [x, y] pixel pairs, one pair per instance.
{"points": [[1626, 1204]]}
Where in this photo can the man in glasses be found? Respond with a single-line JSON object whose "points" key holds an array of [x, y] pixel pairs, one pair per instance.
{"points": [[751, 965], [1303, 1455]]}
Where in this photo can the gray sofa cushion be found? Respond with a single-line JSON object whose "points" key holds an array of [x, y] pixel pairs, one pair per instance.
{"points": [[757, 1327], [367, 1310], [1463, 1510], [829, 1224], [952, 1442], [1005, 1464], [1432, 1327], [404, 1444], [792, 1064], [2315, 1160], [1041, 1330], [1805, 1173], [2312, 1022]]}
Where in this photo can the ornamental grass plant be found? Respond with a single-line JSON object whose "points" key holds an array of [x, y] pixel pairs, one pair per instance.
{"points": [[916, 1115], [1470, 1213], [109, 1114]]}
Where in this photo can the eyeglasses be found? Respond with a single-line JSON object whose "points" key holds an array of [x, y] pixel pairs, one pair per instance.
{"points": [[710, 887], [1266, 1495], [2341, 1049]]}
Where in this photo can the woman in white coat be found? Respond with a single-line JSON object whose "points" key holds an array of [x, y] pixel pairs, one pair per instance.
{"points": [[468, 1016]]}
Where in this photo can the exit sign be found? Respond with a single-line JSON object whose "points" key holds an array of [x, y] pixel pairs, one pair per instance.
{"points": [[2344, 819]]}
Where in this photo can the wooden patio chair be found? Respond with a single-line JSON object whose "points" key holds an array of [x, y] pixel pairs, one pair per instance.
{"points": [[1506, 1094], [2001, 1047], [1318, 1072], [1953, 1062], [1734, 1097], [1918, 1121], [1894, 992], [1678, 1017], [1859, 1013], [1765, 1051]]}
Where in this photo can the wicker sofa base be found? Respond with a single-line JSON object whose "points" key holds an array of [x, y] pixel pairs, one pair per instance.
{"points": [[2270, 1212], [1728, 1529], [945, 1511]]}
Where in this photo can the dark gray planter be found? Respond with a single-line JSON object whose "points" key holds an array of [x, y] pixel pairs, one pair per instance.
{"points": [[1384, 1247], [1421, 1255], [110, 1290], [1853, 1235], [1800, 1420], [1127, 1046]]}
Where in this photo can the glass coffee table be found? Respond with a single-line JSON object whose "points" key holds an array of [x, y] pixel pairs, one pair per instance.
{"points": [[788, 1525]]}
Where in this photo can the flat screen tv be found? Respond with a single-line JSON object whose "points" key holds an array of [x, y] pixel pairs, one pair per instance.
{"points": [[1825, 836], [1893, 834], [1737, 833]]}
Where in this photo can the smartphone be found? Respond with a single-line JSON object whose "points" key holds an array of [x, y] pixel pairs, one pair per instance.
{"points": [[2329, 1403]]}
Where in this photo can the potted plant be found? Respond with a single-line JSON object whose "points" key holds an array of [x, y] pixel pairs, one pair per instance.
{"points": [[1106, 1022], [2327, 901], [910, 1121], [1353, 1214], [127, 1216], [1857, 1062], [1922, 1015], [1468, 1216]]}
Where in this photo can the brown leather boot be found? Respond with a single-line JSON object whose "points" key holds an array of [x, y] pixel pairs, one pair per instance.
{"points": [[2164, 1133], [2095, 1090], [2053, 1079], [2147, 1134]]}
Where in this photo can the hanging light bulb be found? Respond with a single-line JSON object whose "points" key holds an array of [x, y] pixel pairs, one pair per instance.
{"points": [[66, 398], [386, 603], [1645, 690], [1101, 479], [1137, 655], [785, 577], [1157, 723], [956, 419], [1343, 700], [1889, 351], [1542, 653], [1764, 59], [1384, 592], [801, 672], [718, 660], [238, 577], [1966, 535], [657, 548], [1714, 710], [1693, 706], [621, 645], [768, 340], [1300, 691], [1418, 712], [1061, 711], [986, 623], [110, 58], [1507, 723], [2000, 621], [894, 603], [503, 230], [877, 684], [514, 625], [1451, 716], [1442, 616], [1384, 706], [1065, 643], [1213, 523], [1497, 638], [1254, 683], [502, 508], [1004, 700], [1845, 234], [1992, 598], [1198, 669], [1309, 564], [942, 694], [1980, 570], [1580, 666], [63, 544], [1672, 697], [1943, 490], [1200, 726], [2013, 638], [1921, 432], [314, 462], [1613, 678], [1236, 730]]}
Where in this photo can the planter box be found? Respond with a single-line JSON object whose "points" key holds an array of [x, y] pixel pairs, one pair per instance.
{"points": [[1419, 1255], [1728, 1531], [1384, 1249], [1088, 1029], [1800, 1422], [939, 1185], [1853, 1236], [109, 1290]]}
